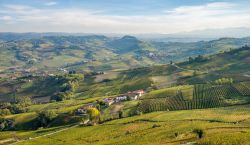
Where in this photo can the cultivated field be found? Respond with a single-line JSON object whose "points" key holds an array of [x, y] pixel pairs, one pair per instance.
{"points": [[221, 126]]}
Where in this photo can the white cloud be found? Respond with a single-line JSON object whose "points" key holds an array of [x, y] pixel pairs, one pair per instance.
{"points": [[207, 9], [19, 10], [6, 18], [184, 18], [50, 3]]}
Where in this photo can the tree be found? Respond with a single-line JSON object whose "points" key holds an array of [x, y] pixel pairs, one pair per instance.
{"points": [[72, 72], [19, 108], [24, 100], [62, 96], [73, 85], [6, 124], [190, 59], [120, 114], [98, 106], [199, 132], [224, 81], [45, 117], [4, 112], [94, 115], [101, 102], [195, 73]]}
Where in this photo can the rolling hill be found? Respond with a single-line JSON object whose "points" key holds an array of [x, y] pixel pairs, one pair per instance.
{"points": [[207, 93], [99, 53]]}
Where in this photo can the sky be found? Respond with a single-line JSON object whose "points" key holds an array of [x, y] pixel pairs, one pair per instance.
{"points": [[122, 16]]}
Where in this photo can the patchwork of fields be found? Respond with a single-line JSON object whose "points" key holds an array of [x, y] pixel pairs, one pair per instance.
{"points": [[224, 126], [185, 103]]}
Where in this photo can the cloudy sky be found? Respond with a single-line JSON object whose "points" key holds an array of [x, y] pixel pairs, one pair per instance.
{"points": [[122, 16]]}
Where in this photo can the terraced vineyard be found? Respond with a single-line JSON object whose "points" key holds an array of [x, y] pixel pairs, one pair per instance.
{"points": [[195, 97], [243, 88]]}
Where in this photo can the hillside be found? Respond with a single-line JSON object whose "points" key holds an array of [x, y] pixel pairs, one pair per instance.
{"points": [[185, 91], [232, 64], [228, 125], [57, 54]]}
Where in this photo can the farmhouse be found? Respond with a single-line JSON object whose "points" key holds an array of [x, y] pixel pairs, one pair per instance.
{"points": [[108, 101], [121, 98], [134, 95], [139, 92]]}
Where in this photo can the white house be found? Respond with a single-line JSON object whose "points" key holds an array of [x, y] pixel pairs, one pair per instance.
{"points": [[121, 98], [134, 95], [109, 101]]}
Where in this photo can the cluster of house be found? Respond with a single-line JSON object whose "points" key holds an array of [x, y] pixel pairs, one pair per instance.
{"points": [[133, 95]]}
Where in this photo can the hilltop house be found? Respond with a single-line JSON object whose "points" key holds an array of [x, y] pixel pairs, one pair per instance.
{"points": [[134, 95], [139, 92], [108, 101]]}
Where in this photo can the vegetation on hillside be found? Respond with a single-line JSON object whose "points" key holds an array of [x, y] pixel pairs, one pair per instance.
{"points": [[186, 91]]}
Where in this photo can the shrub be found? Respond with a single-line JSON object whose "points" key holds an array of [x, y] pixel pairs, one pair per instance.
{"points": [[24, 100], [4, 112], [62, 96], [94, 115], [224, 81], [120, 114], [156, 125], [6, 124], [199, 132], [127, 132], [45, 117], [19, 108]]}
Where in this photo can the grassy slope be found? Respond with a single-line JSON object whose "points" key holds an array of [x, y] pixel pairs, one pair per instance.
{"points": [[231, 64], [232, 121], [163, 134]]}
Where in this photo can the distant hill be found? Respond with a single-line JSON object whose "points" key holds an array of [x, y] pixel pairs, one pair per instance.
{"points": [[38, 53], [125, 44], [233, 61], [198, 35]]}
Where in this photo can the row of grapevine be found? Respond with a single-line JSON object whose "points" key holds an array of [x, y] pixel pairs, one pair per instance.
{"points": [[243, 88], [204, 96]]}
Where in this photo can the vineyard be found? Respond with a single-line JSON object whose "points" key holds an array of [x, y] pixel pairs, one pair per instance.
{"points": [[243, 88], [194, 97]]}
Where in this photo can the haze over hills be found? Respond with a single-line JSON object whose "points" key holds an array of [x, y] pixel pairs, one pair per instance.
{"points": [[198, 35], [190, 36]]}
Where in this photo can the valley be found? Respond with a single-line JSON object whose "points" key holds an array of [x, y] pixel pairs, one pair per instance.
{"points": [[124, 72], [198, 98]]}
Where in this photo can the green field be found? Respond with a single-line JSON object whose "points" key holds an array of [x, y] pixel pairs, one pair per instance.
{"points": [[207, 94], [224, 126]]}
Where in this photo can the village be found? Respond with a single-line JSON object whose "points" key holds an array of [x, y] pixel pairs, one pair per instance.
{"points": [[106, 102]]}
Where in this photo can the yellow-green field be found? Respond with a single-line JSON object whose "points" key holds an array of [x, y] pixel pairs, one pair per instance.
{"points": [[221, 126]]}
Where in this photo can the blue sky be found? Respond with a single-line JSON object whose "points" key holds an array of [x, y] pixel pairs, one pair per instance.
{"points": [[122, 16]]}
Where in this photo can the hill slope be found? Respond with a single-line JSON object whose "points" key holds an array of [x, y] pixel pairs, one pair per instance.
{"points": [[99, 53], [172, 128]]}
